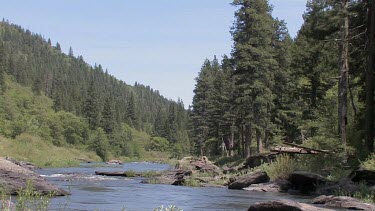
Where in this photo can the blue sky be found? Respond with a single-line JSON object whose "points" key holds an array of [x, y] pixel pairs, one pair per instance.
{"points": [[161, 43]]}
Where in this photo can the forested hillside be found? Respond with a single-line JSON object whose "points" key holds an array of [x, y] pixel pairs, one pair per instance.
{"points": [[316, 90], [95, 101]]}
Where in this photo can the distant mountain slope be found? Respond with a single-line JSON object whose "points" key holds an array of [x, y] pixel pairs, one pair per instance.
{"points": [[90, 92]]}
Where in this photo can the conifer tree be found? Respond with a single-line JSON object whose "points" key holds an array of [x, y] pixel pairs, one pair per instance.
{"points": [[91, 107], [107, 121], [252, 34]]}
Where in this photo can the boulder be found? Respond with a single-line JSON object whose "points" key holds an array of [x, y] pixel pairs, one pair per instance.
{"points": [[343, 202], [248, 179], [257, 160], [284, 205], [363, 175], [201, 164], [23, 164], [118, 162], [306, 182], [344, 185], [275, 186], [227, 170], [14, 177]]}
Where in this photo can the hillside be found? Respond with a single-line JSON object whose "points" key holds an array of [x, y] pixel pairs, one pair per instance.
{"points": [[64, 101]]}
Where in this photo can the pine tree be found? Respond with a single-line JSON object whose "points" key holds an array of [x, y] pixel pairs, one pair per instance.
{"points": [[2, 68], [107, 121], [71, 54], [91, 107], [130, 111], [252, 34]]}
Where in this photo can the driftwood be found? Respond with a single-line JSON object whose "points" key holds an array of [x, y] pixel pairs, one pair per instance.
{"points": [[307, 148], [111, 173], [297, 149]]}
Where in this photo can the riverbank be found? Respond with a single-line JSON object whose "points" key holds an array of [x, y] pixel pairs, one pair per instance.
{"points": [[32, 149]]}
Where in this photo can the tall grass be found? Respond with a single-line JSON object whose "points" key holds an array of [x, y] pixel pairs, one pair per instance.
{"points": [[280, 168], [369, 163], [31, 148], [28, 199]]}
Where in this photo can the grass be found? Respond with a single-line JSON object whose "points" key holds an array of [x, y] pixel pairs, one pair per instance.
{"points": [[280, 168], [28, 199], [369, 163], [364, 193], [27, 147]]}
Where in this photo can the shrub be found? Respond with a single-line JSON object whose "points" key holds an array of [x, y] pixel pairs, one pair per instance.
{"points": [[280, 168], [369, 163]]}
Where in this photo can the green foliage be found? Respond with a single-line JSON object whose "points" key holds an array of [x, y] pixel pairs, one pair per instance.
{"points": [[280, 168], [28, 199], [63, 100], [158, 144], [369, 163], [99, 143]]}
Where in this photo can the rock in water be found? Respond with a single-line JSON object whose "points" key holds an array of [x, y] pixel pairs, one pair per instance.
{"points": [[343, 202], [306, 182], [14, 177], [275, 186], [246, 180], [284, 205], [118, 162]]}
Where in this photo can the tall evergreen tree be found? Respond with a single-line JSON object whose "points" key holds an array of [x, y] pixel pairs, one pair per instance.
{"points": [[107, 121], [252, 34], [91, 107]]}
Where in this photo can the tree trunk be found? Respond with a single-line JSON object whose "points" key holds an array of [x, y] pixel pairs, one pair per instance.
{"points": [[344, 68], [248, 134], [266, 139], [369, 121], [259, 141], [231, 141]]}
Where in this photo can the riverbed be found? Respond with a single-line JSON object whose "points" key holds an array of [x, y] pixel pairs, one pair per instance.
{"points": [[92, 192]]}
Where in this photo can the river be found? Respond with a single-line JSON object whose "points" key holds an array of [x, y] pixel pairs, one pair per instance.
{"points": [[91, 192]]}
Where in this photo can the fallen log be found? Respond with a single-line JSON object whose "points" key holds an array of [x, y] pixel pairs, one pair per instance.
{"points": [[307, 148], [111, 173], [292, 150]]}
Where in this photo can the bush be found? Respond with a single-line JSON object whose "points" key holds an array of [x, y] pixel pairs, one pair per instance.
{"points": [[280, 168], [369, 163], [158, 144]]}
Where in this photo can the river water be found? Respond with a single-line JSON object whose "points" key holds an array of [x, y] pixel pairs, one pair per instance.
{"points": [[91, 192]]}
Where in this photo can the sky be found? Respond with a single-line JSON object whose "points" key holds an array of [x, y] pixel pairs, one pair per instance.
{"points": [[160, 43]]}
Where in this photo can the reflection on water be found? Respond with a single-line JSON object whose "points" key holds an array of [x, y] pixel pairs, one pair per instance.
{"points": [[91, 192]]}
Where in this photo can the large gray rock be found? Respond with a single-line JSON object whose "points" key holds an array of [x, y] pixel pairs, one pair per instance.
{"points": [[343, 202], [248, 179], [14, 177], [306, 182], [344, 185], [275, 186], [363, 175], [284, 205]]}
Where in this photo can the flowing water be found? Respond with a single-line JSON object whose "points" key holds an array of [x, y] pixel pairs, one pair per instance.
{"points": [[91, 192]]}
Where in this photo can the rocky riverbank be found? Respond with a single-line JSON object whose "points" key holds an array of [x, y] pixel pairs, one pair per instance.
{"points": [[202, 172], [15, 175]]}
